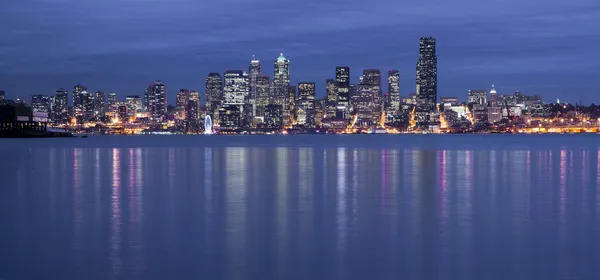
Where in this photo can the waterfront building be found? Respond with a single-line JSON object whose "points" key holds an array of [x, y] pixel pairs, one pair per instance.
{"points": [[331, 95], [230, 116], [426, 83]]}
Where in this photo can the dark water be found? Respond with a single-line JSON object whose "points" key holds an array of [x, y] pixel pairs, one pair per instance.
{"points": [[301, 207]]}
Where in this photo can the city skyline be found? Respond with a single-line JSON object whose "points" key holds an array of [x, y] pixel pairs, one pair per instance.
{"points": [[516, 45]]}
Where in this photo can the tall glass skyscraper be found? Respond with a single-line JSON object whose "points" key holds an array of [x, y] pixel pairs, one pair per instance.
{"points": [[342, 78], [254, 72], [306, 104], [214, 93], [236, 87], [61, 106], [156, 100], [281, 84], [427, 74], [394, 90]]}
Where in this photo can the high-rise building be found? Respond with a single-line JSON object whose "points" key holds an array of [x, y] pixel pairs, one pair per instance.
{"points": [[100, 105], [156, 100], [427, 74], [181, 103], [88, 105], [273, 116], [493, 97], [342, 78], [236, 87], [331, 95], [192, 112], [262, 97], [478, 97], [281, 84], [61, 106], [367, 102], [40, 103], [214, 93], [111, 102], [134, 104], [78, 100], [250, 110], [306, 104], [254, 71], [394, 90], [292, 103], [230, 116]]}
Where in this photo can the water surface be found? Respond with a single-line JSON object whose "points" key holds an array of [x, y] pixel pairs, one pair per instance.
{"points": [[301, 207]]}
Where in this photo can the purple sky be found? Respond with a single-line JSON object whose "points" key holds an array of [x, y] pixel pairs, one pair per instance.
{"points": [[539, 47]]}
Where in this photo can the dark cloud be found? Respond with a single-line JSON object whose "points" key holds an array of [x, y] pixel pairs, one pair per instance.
{"points": [[546, 48]]}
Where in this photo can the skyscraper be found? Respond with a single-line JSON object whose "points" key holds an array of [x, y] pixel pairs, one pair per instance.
{"points": [[156, 100], [40, 103], [88, 105], [254, 71], [192, 114], [368, 99], [331, 95], [61, 106], [134, 104], [263, 84], [342, 78], [292, 103], [281, 83], [306, 104], [236, 87], [99, 105], [427, 74], [181, 103], [394, 90], [214, 93], [111, 102], [78, 100]]}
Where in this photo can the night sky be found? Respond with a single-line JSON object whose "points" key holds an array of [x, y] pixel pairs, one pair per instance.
{"points": [[547, 47]]}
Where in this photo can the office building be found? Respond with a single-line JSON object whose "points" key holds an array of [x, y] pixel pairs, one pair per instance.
{"points": [[78, 101], [61, 106], [155, 99], [181, 103], [100, 105], [254, 72], [214, 93], [263, 85], [134, 104], [394, 90], [478, 97], [331, 95], [306, 104], [236, 87], [230, 116], [427, 73], [281, 83], [342, 79], [292, 103], [273, 116], [111, 103], [40, 103]]}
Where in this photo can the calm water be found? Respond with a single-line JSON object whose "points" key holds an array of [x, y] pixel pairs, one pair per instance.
{"points": [[301, 207]]}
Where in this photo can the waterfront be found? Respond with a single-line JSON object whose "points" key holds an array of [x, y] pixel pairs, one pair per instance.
{"points": [[301, 207]]}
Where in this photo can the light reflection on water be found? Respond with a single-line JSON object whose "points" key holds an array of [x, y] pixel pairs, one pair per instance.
{"points": [[301, 213]]}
